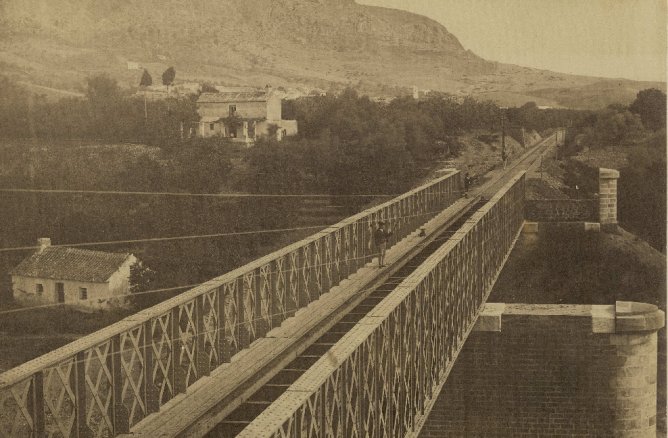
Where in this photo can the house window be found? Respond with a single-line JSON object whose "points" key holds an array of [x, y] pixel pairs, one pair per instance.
{"points": [[39, 289], [233, 110], [284, 133], [211, 126], [83, 293]]}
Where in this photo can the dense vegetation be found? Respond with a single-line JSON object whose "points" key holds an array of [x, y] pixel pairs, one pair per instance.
{"points": [[639, 131], [347, 146]]}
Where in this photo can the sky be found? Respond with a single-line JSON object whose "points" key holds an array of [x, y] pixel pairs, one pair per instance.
{"points": [[608, 38]]}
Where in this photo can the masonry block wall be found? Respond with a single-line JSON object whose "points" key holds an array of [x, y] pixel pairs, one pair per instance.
{"points": [[548, 374], [607, 195], [535, 378], [561, 210]]}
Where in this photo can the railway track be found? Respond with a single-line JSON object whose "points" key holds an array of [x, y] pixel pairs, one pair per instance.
{"points": [[529, 158], [238, 419], [243, 415]]}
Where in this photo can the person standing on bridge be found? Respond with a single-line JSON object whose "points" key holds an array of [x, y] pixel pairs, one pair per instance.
{"points": [[380, 239], [504, 157], [467, 184]]}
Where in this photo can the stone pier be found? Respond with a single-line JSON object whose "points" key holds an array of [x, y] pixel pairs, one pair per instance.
{"points": [[553, 371], [607, 196]]}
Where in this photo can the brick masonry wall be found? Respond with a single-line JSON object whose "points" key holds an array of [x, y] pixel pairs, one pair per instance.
{"points": [[562, 210], [539, 377]]}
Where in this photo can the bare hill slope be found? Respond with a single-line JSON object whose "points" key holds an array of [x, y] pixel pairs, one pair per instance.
{"points": [[324, 44]]}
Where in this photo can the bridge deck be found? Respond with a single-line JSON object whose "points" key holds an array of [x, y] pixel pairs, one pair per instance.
{"points": [[380, 378], [212, 398]]}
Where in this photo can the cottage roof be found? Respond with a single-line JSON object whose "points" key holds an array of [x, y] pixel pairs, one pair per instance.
{"points": [[232, 97], [62, 263]]}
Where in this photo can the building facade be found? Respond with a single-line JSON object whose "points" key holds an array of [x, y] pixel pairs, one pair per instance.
{"points": [[242, 116], [72, 276]]}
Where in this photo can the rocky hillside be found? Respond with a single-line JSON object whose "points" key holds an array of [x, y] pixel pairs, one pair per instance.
{"points": [[322, 44]]}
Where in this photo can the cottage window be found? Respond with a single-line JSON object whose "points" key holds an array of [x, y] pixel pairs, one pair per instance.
{"points": [[83, 293], [233, 110], [211, 126], [39, 289]]}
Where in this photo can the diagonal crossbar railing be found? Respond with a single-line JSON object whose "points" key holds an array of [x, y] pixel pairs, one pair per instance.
{"points": [[104, 383], [380, 378]]}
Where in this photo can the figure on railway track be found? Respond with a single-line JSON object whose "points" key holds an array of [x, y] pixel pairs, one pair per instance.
{"points": [[380, 237], [504, 157]]}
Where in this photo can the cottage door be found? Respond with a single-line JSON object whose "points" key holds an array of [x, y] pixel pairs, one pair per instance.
{"points": [[60, 292]]}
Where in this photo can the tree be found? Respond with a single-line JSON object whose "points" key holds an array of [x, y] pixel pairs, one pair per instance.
{"points": [[14, 110], [208, 88], [168, 76], [142, 279], [613, 127], [650, 104], [146, 79], [106, 105], [102, 88]]}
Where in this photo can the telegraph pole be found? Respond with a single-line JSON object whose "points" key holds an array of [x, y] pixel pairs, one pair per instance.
{"points": [[503, 134]]}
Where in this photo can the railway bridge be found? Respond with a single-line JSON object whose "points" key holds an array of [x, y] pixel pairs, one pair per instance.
{"points": [[313, 340]]}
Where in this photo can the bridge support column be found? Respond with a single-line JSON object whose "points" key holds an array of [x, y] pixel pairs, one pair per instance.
{"points": [[607, 198], [634, 385]]}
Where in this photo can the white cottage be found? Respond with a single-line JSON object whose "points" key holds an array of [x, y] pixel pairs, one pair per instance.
{"points": [[254, 112], [73, 276]]}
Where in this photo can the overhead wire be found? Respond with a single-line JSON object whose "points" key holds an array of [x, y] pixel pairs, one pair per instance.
{"points": [[218, 235], [185, 338], [198, 236], [209, 195], [262, 317], [228, 234], [283, 271]]}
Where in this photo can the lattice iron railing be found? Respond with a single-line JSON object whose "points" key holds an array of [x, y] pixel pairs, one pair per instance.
{"points": [[103, 384], [378, 379]]}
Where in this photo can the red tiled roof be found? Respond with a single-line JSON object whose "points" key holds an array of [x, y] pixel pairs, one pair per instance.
{"points": [[231, 97], [62, 263]]}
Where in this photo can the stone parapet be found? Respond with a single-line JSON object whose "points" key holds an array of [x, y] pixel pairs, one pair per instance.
{"points": [[562, 210]]}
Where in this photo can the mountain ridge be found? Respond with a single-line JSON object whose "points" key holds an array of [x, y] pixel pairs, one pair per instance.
{"points": [[321, 44]]}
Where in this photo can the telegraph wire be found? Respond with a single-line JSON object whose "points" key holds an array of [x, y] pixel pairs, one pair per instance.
{"points": [[283, 271], [191, 337], [164, 239], [197, 236], [230, 234], [212, 195], [460, 254]]}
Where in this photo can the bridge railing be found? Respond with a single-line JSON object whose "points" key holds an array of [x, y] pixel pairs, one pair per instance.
{"points": [[377, 380], [104, 383]]}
